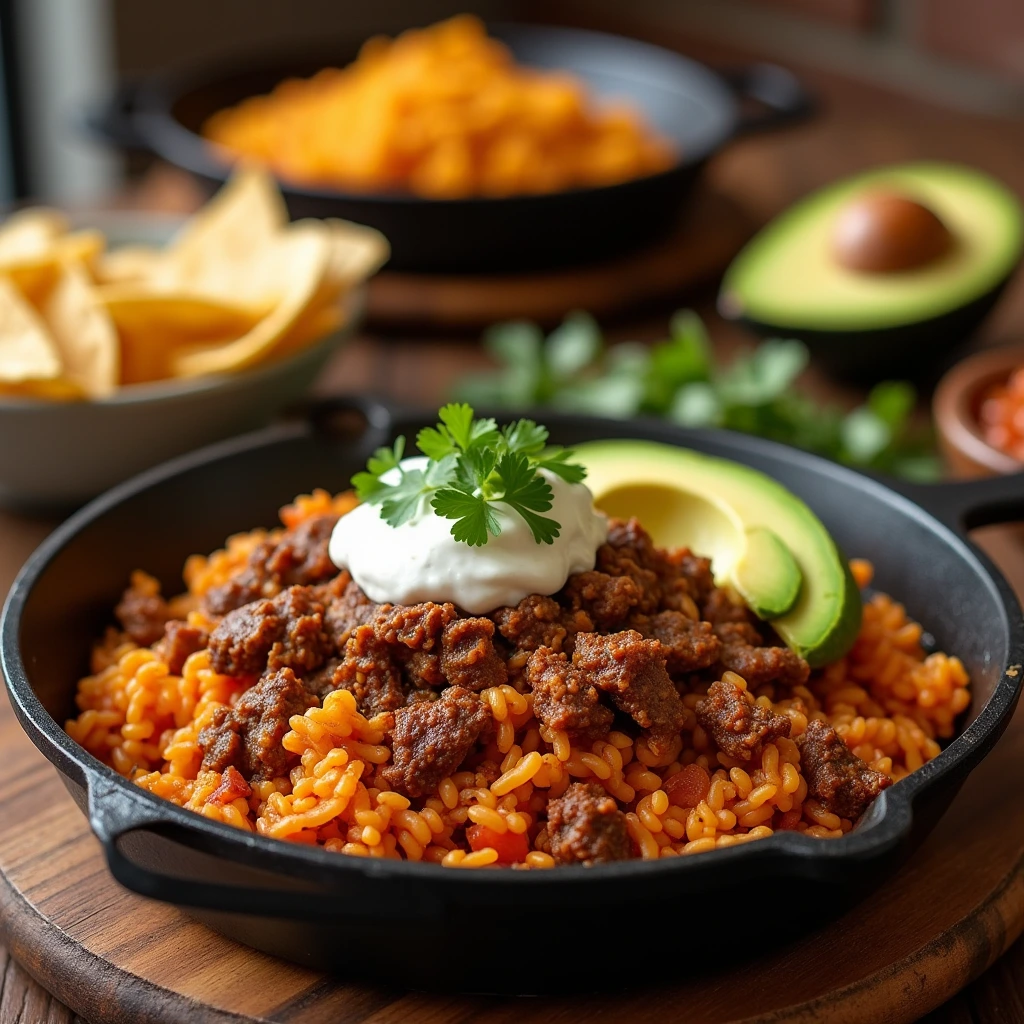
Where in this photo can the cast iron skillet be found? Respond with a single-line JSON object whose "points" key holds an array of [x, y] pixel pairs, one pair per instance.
{"points": [[405, 921], [697, 109]]}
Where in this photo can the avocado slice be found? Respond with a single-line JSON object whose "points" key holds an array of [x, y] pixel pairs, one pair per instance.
{"points": [[747, 524], [766, 574], [788, 281]]}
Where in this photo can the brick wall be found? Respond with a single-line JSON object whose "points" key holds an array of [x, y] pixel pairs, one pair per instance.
{"points": [[963, 53], [984, 34], [988, 34]]}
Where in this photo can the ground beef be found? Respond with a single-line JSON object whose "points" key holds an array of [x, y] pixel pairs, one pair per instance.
{"points": [[632, 670], [629, 552], [729, 615], [740, 726], [347, 607], [180, 641], [607, 600], [321, 682], [843, 783], [759, 665], [430, 740], [368, 672], [564, 699], [416, 626], [248, 736], [697, 572], [469, 657], [286, 631], [421, 669], [689, 645], [539, 621], [298, 558], [142, 611], [585, 826]]}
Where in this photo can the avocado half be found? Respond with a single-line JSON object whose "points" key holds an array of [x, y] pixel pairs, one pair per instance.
{"points": [[760, 537], [787, 282]]}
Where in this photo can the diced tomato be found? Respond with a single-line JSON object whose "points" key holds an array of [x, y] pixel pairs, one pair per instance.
{"points": [[512, 847], [231, 787], [789, 821], [688, 786]]}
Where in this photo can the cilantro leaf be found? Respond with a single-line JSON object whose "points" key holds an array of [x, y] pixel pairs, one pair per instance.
{"points": [[528, 493], [544, 530], [473, 515], [525, 436], [402, 500], [471, 465], [367, 484], [556, 460], [435, 444]]}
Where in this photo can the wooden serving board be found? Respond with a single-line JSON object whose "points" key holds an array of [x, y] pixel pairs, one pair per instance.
{"points": [[700, 247], [115, 957]]}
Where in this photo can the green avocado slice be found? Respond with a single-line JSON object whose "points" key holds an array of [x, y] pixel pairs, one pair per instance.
{"points": [[747, 524], [787, 276], [766, 574]]}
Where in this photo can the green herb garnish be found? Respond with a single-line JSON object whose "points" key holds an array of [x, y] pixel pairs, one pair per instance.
{"points": [[678, 378], [472, 465]]}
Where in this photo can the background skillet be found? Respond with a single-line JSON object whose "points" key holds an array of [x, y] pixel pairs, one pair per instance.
{"points": [[306, 904], [697, 109]]}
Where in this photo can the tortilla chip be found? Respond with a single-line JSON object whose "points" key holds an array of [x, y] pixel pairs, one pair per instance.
{"points": [[222, 251], [33, 261], [84, 333], [299, 258], [357, 252], [130, 263], [29, 234], [27, 352], [154, 326], [313, 325]]}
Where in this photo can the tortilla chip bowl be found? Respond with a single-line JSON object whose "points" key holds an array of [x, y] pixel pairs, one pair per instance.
{"points": [[61, 453]]}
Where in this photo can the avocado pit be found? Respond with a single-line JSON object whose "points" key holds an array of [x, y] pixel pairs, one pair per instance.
{"points": [[882, 232]]}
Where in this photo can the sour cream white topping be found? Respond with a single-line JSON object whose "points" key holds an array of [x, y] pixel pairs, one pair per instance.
{"points": [[421, 561]]}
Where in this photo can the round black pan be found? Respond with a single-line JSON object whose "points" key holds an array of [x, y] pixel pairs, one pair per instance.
{"points": [[404, 922], [695, 108]]}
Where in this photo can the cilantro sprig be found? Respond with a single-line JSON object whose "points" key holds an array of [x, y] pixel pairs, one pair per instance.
{"points": [[472, 466]]}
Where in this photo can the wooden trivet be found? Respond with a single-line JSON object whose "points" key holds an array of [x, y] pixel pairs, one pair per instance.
{"points": [[116, 958], [698, 250]]}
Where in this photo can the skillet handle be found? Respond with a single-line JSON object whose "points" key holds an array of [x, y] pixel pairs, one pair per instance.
{"points": [[966, 504], [782, 95], [112, 120], [351, 419], [116, 812]]}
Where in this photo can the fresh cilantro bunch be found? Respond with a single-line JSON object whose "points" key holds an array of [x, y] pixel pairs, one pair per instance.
{"points": [[472, 465], [678, 378]]}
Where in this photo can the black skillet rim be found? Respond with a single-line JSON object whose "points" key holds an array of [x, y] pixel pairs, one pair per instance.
{"points": [[893, 817], [166, 136]]}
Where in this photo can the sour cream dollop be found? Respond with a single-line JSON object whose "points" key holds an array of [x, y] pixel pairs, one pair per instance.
{"points": [[421, 561]]}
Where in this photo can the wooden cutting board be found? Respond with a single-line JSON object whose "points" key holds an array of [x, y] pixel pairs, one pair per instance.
{"points": [[115, 957]]}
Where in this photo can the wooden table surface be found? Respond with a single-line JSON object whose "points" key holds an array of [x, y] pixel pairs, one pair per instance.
{"points": [[859, 126]]}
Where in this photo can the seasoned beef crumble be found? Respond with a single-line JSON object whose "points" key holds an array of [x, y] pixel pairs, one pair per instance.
{"points": [[736, 722], [248, 736], [843, 783], [585, 826]]}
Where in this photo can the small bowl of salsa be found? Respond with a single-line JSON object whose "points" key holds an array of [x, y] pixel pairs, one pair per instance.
{"points": [[979, 413]]}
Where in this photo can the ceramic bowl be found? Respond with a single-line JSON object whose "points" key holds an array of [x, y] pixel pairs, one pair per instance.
{"points": [[57, 454], [956, 407]]}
